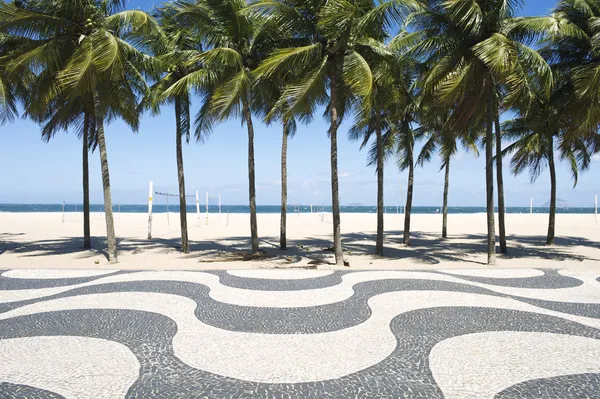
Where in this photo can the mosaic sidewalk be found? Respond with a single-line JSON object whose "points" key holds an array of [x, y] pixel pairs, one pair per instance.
{"points": [[480, 333]]}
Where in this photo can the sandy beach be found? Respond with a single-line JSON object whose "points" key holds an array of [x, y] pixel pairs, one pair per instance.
{"points": [[44, 240]]}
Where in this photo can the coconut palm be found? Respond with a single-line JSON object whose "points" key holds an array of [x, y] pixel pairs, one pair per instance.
{"points": [[65, 114], [376, 124], [82, 50], [177, 49], [339, 35], [435, 127], [235, 45], [477, 48], [392, 113], [538, 133], [266, 106], [386, 103]]}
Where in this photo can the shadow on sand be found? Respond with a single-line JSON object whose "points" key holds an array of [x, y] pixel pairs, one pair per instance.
{"points": [[425, 248]]}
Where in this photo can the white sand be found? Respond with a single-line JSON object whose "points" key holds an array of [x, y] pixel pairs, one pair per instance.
{"points": [[42, 240]]}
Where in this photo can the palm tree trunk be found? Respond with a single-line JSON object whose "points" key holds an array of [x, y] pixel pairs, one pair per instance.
{"points": [[408, 207], [282, 226], [552, 218], [110, 224], [87, 239], [489, 180], [501, 208], [181, 179], [409, 193], [445, 204], [335, 195], [251, 178], [380, 204]]}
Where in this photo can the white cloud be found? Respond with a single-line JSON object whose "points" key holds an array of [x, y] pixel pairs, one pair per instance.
{"points": [[596, 157], [344, 175]]}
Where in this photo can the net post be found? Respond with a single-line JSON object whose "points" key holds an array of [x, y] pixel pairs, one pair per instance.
{"points": [[206, 222], [63, 212], [197, 205], [531, 206], [596, 208], [219, 206], [167, 197], [150, 193]]}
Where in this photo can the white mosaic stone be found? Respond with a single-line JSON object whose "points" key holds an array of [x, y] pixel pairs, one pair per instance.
{"points": [[283, 274], [483, 364], [285, 358], [73, 367], [53, 273]]}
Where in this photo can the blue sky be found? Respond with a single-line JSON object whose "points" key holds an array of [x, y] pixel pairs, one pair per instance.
{"points": [[38, 172]]}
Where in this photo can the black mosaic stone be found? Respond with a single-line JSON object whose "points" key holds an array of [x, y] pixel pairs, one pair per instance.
{"points": [[9, 283], [18, 391], [260, 284], [579, 386], [550, 280]]}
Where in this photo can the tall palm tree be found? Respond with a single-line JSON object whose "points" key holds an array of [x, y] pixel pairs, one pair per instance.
{"points": [[177, 49], [387, 102], [334, 38], [63, 114], [477, 47], [440, 138], [83, 49], [235, 45], [538, 132]]}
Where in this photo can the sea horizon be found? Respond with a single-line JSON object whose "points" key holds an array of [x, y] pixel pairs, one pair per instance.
{"points": [[292, 208]]}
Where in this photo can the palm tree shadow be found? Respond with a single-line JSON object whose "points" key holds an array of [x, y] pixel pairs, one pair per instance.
{"points": [[426, 248]]}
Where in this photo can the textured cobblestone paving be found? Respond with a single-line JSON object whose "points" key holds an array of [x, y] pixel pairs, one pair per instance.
{"points": [[484, 333]]}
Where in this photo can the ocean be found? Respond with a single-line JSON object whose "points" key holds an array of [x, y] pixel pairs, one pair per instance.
{"points": [[273, 209]]}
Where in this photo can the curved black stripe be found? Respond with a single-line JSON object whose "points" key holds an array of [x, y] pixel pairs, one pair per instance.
{"points": [[19, 391], [405, 373], [263, 284], [551, 279], [314, 319], [575, 386], [10, 283]]}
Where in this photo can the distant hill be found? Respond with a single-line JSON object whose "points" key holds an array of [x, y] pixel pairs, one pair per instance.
{"points": [[559, 204], [356, 204]]}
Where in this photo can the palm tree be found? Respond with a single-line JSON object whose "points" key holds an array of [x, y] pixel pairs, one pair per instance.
{"points": [[476, 48], [234, 50], [435, 127], [335, 39], [537, 133], [82, 45], [177, 49], [386, 104], [375, 124], [62, 114]]}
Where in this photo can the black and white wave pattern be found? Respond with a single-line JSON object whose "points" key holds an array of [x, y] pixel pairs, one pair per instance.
{"points": [[522, 333]]}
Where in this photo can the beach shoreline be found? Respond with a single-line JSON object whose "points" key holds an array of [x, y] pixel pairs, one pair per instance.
{"points": [[53, 240]]}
